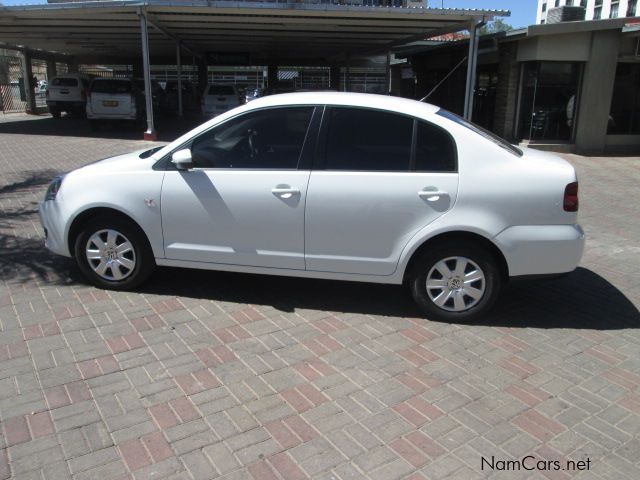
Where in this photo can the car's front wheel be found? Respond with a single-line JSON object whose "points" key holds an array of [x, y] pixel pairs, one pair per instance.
{"points": [[113, 253], [455, 282]]}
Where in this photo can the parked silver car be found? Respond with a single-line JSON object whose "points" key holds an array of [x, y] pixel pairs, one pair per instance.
{"points": [[327, 185]]}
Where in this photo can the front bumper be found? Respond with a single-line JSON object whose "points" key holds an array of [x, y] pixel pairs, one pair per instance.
{"points": [[541, 249], [50, 218]]}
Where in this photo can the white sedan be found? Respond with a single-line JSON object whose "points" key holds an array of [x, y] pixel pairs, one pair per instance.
{"points": [[328, 185]]}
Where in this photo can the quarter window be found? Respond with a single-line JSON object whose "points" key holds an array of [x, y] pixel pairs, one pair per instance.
{"points": [[368, 140], [435, 149], [266, 139]]}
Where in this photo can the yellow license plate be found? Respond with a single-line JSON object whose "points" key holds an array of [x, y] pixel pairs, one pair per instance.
{"points": [[110, 103]]}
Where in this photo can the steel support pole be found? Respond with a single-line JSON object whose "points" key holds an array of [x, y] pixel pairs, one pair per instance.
{"points": [[387, 73], [27, 82], [471, 71], [179, 73], [151, 133], [347, 74]]}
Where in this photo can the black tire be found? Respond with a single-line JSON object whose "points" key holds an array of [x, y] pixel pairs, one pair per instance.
{"points": [[142, 256], [93, 125], [469, 308], [55, 112]]}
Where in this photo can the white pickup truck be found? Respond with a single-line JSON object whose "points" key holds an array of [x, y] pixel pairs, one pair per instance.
{"points": [[67, 93]]}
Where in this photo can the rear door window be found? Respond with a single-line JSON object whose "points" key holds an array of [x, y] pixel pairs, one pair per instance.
{"points": [[361, 139], [64, 82], [111, 86], [435, 149]]}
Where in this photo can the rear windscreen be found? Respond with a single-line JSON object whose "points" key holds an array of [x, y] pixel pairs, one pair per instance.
{"points": [[64, 82], [221, 90], [111, 86]]}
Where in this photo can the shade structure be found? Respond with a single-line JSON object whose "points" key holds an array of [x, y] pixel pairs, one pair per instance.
{"points": [[264, 31]]}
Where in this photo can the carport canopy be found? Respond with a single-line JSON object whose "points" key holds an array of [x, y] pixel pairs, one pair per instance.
{"points": [[262, 33]]}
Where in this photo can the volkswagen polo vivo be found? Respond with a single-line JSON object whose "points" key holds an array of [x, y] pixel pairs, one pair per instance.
{"points": [[328, 185]]}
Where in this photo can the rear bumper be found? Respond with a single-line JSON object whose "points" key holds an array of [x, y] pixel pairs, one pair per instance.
{"points": [[541, 249], [62, 104], [117, 116], [50, 218]]}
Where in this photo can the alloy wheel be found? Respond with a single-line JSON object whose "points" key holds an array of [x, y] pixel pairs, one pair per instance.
{"points": [[455, 284]]}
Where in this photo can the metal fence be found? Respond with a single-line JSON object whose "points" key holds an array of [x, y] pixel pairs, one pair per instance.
{"points": [[11, 98]]}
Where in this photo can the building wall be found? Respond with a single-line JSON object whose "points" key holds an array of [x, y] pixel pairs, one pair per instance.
{"points": [[596, 93], [590, 8], [507, 91], [556, 48]]}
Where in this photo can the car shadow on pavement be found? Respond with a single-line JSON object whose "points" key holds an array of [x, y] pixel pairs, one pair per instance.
{"points": [[168, 128], [581, 300]]}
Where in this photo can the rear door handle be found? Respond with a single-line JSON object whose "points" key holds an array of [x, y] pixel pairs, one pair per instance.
{"points": [[432, 195], [283, 192]]}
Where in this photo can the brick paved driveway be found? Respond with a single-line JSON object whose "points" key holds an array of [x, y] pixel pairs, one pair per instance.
{"points": [[204, 375]]}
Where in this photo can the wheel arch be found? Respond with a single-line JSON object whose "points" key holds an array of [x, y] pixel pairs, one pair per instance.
{"points": [[459, 236], [86, 215]]}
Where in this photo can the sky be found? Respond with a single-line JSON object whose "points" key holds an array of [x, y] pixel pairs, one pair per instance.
{"points": [[523, 12]]}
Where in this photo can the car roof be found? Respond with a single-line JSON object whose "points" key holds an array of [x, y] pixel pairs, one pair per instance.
{"points": [[367, 100]]}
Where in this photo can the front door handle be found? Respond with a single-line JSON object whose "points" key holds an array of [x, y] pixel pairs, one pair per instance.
{"points": [[432, 195], [285, 192]]}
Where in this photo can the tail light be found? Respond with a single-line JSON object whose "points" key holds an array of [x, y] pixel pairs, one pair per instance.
{"points": [[84, 94], [87, 94], [570, 203], [46, 93]]}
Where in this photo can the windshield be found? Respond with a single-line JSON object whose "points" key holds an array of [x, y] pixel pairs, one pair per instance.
{"points": [[492, 137], [111, 86]]}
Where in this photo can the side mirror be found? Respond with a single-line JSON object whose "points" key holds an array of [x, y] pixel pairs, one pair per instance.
{"points": [[182, 159]]}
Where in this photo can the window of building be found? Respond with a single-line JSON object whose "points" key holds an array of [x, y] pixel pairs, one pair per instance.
{"points": [[631, 8], [435, 149], [266, 139], [613, 13], [557, 3], [368, 140], [544, 7], [548, 100], [624, 116], [597, 13]]}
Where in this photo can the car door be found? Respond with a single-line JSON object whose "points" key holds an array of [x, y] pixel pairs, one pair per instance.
{"points": [[243, 203], [381, 177]]}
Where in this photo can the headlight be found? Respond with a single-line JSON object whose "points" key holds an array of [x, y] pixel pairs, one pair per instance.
{"points": [[53, 189]]}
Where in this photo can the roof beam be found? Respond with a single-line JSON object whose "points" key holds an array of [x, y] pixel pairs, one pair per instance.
{"points": [[151, 20]]}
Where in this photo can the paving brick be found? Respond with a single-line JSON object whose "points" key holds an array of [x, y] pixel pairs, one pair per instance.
{"points": [[16, 431], [286, 467], [134, 454], [157, 446]]}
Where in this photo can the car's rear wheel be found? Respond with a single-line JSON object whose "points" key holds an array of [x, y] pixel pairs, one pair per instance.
{"points": [[55, 112], [113, 253], [455, 282]]}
